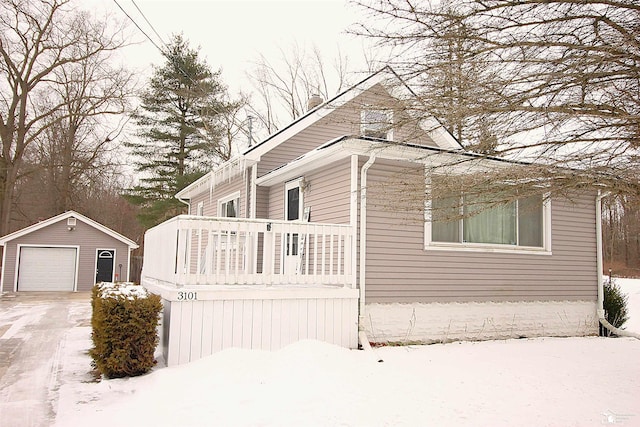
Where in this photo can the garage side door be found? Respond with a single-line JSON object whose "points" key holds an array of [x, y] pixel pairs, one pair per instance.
{"points": [[47, 269]]}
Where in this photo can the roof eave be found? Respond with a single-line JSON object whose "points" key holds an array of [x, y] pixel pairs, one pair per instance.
{"points": [[42, 224], [196, 186], [348, 145]]}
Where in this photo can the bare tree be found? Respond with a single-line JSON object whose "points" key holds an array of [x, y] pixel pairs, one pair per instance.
{"points": [[79, 145], [284, 87], [621, 235], [48, 50], [555, 83], [232, 128], [443, 70]]}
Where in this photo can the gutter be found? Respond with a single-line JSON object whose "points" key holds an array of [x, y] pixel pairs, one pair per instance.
{"points": [[600, 309], [363, 245], [185, 202]]}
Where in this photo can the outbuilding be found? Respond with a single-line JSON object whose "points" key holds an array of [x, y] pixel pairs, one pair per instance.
{"points": [[68, 252]]}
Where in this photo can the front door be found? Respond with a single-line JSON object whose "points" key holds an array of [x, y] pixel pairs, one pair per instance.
{"points": [[104, 265], [291, 242]]}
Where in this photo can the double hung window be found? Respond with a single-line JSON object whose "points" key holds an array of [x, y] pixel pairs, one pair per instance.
{"points": [[228, 206]]}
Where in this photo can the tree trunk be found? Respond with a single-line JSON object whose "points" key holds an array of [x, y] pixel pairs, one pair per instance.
{"points": [[8, 189]]}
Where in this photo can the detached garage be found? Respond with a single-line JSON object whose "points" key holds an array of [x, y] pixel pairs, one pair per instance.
{"points": [[68, 252]]}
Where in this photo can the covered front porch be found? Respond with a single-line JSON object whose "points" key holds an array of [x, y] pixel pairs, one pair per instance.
{"points": [[250, 283]]}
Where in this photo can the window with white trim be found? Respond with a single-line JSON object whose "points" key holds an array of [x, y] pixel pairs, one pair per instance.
{"points": [[486, 221], [376, 123], [228, 207], [293, 201], [200, 209], [293, 209]]}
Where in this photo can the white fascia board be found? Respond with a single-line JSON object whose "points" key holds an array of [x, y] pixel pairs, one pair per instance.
{"points": [[430, 124], [439, 134], [436, 131], [288, 132], [110, 232]]}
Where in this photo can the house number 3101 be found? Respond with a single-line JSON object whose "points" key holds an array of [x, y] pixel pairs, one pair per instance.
{"points": [[187, 296]]}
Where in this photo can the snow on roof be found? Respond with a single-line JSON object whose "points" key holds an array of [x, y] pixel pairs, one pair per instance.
{"points": [[222, 173]]}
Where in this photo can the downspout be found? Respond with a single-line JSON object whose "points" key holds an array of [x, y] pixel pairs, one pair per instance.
{"points": [[600, 309], [254, 190], [364, 341]]}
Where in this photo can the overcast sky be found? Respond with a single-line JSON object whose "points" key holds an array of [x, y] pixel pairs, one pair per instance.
{"points": [[232, 34]]}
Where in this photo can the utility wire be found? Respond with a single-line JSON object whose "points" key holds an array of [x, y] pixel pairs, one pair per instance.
{"points": [[138, 26], [165, 54], [148, 23]]}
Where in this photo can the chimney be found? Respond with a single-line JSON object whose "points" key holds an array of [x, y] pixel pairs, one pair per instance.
{"points": [[314, 101]]}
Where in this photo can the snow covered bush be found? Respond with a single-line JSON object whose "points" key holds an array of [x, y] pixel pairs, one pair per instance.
{"points": [[615, 304], [124, 322]]}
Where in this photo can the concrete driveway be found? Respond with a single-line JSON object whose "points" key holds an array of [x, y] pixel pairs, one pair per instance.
{"points": [[34, 328]]}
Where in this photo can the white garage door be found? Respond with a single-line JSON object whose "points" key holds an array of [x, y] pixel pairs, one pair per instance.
{"points": [[47, 269]]}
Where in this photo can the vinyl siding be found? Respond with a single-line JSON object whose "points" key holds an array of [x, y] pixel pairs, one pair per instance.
{"points": [[399, 269], [276, 202], [308, 139], [327, 194], [262, 202], [210, 198], [85, 236], [344, 120]]}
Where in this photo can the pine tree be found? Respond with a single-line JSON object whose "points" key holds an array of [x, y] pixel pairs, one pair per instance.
{"points": [[179, 130]]}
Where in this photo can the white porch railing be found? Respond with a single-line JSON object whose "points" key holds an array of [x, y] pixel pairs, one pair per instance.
{"points": [[194, 250]]}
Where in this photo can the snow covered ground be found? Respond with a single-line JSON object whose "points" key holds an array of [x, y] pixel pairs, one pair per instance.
{"points": [[536, 382]]}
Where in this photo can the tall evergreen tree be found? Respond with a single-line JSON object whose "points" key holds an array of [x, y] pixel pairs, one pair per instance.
{"points": [[180, 130]]}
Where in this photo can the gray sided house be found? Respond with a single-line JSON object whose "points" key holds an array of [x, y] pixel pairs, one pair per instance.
{"points": [[307, 235], [68, 252]]}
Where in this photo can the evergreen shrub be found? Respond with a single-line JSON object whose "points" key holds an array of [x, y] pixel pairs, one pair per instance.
{"points": [[615, 304], [124, 329]]}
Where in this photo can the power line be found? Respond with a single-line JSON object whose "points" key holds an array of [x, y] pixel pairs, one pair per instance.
{"points": [[138, 26], [165, 54], [148, 23]]}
